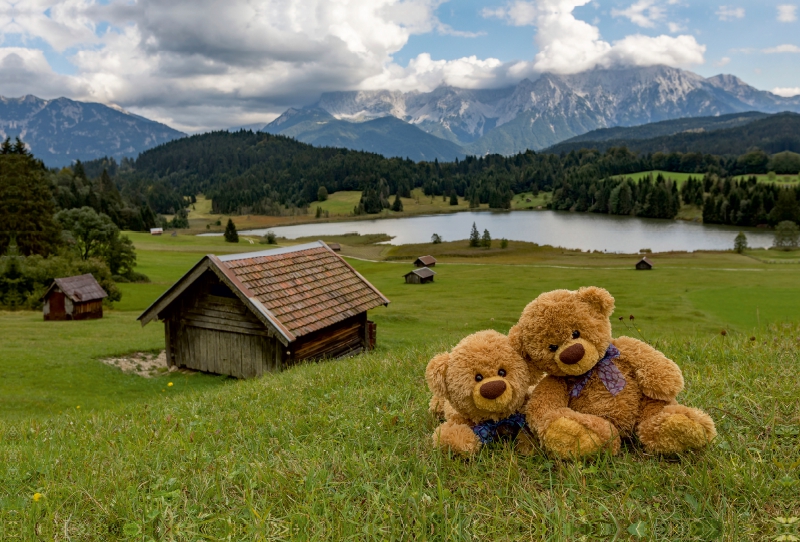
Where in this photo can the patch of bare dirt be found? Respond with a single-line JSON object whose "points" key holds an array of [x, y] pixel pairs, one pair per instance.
{"points": [[144, 364]]}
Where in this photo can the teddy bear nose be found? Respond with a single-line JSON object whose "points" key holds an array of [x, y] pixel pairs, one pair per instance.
{"points": [[493, 389], [572, 355]]}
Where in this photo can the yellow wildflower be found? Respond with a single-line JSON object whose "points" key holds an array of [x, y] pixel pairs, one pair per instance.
{"points": [[170, 384], [37, 496]]}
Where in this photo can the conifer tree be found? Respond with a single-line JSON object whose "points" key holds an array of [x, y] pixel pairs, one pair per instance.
{"points": [[474, 237], [486, 240], [397, 205], [453, 198], [231, 235]]}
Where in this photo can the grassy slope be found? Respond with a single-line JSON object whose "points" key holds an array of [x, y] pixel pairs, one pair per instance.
{"points": [[341, 448]]}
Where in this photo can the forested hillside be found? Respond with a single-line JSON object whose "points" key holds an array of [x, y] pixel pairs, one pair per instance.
{"points": [[772, 134], [258, 173]]}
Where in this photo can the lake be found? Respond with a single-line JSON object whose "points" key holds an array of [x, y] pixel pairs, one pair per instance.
{"points": [[585, 231]]}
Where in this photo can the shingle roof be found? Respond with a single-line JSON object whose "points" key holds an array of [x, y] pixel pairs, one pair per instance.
{"points": [[306, 287], [81, 288], [647, 261], [421, 273], [426, 260]]}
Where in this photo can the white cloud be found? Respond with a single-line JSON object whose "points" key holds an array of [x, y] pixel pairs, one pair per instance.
{"points": [[674, 28], [787, 13], [644, 13], [569, 45], [786, 92], [724, 61], [785, 48], [726, 13], [22, 70], [203, 63]]}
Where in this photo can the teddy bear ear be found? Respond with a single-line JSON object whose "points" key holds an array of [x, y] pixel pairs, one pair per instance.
{"points": [[435, 374], [515, 338], [598, 298]]}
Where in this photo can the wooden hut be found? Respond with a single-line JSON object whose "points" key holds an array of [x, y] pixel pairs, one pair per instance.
{"points": [[644, 264], [336, 247], [425, 261], [156, 231], [245, 314], [419, 276], [74, 298]]}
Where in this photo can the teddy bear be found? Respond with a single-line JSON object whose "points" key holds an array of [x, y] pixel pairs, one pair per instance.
{"points": [[598, 389], [480, 387]]}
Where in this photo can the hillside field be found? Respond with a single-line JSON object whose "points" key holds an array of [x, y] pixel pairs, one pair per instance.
{"points": [[341, 449]]}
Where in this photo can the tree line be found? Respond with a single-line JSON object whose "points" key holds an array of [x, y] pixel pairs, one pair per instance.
{"points": [[55, 224]]}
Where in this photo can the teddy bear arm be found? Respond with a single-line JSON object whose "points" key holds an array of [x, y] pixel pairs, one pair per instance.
{"points": [[658, 376], [549, 396], [456, 437]]}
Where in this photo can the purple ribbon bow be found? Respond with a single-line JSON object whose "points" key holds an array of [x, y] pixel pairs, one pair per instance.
{"points": [[611, 377]]}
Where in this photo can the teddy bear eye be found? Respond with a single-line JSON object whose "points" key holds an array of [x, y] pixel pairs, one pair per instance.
{"points": [[478, 377], [576, 334], [501, 372], [553, 347]]}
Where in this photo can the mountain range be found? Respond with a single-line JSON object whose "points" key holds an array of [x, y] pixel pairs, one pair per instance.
{"points": [[533, 114], [61, 131], [444, 124]]}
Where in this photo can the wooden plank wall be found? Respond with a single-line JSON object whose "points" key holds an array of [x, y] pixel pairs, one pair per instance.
{"points": [[218, 334], [87, 310], [346, 337]]}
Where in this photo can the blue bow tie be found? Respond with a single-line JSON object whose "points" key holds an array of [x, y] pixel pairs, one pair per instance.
{"points": [[611, 377], [490, 431]]}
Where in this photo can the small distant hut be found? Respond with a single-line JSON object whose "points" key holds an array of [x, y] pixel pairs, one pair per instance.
{"points": [[644, 264], [74, 298], [246, 314], [156, 231], [336, 247], [419, 276], [425, 261]]}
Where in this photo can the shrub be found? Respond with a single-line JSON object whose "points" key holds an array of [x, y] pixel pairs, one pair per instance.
{"points": [[436, 239], [740, 243]]}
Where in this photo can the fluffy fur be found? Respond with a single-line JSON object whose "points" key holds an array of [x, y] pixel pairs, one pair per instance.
{"points": [[460, 381], [596, 420]]}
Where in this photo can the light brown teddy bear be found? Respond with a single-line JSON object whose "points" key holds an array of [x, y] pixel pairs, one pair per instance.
{"points": [[599, 389], [481, 386]]}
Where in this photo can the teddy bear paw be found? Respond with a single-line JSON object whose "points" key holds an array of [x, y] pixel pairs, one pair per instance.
{"points": [[683, 431], [457, 438], [567, 438]]}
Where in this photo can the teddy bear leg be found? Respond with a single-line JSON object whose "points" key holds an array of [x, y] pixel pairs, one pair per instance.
{"points": [[436, 407], [457, 437], [671, 428], [573, 434]]}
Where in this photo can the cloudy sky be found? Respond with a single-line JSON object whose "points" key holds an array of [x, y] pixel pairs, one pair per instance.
{"points": [[199, 64]]}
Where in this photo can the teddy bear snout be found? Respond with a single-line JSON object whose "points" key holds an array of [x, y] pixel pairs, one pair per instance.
{"points": [[493, 389], [572, 355]]}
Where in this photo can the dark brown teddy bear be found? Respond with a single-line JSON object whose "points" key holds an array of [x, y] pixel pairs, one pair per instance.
{"points": [[481, 386], [599, 389]]}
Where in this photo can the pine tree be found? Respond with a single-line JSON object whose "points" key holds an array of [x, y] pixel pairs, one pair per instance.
{"points": [[453, 198], [397, 206], [787, 235], [231, 235], [474, 237], [322, 194], [486, 240]]}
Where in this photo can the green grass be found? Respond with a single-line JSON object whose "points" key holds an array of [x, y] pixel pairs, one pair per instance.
{"points": [[341, 449]]}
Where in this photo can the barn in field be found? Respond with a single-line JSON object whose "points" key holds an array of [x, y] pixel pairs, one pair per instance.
{"points": [[425, 261], [74, 298], [419, 276], [246, 314], [644, 264]]}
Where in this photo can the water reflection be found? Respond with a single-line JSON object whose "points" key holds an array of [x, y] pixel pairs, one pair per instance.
{"points": [[585, 231]]}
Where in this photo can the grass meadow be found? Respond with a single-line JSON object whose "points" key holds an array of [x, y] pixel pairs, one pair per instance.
{"points": [[341, 449]]}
